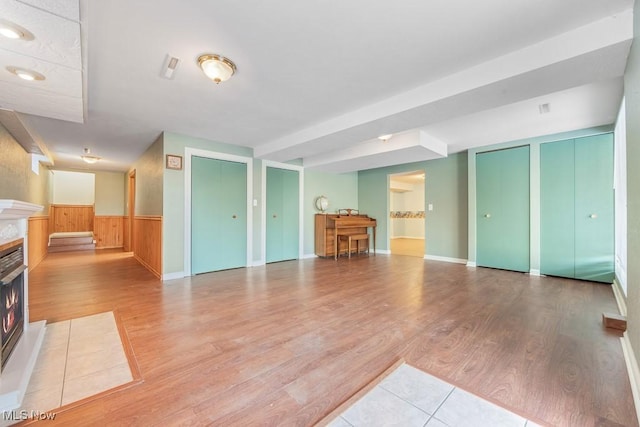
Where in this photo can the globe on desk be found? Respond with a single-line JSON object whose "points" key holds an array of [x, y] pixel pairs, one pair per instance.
{"points": [[322, 203]]}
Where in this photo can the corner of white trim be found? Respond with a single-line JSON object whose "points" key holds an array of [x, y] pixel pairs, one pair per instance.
{"points": [[534, 272], [632, 370], [308, 256], [258, 263], [174, 275], [617, 292], [383, 252], [471, 264]]}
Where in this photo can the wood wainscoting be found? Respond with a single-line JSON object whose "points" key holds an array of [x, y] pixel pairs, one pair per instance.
{"points": [[108, 231], [38, 240], [147, 242], [65, 218], [126, 239]]}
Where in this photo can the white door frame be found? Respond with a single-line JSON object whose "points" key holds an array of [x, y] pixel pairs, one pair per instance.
{"points": [[188, 154], [300, 170]]}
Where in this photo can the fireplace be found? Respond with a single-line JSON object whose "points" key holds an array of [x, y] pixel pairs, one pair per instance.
{"points": [[11, 296], [21, 339]]}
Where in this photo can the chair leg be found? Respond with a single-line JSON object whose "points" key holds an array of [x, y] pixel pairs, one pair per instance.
{"points": [[349, 245]]}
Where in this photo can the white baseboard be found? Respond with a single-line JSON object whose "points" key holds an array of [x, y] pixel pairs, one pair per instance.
{"points": [[307, 256], [534, 272], [632, 370], [471, 264], [407, 237], [383, 252], [445, 259], [620, 299], [172, 276], [258, 263]]}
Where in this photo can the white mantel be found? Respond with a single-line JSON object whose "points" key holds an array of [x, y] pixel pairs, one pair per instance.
{"points": [[15, 209], [15, 376], [13, 219]]}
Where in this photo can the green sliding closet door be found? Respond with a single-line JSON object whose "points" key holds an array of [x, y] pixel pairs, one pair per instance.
{"points": [[218, 215], [577, 208], [282, 219], [595, 208], [557, 209], [502, 201]]}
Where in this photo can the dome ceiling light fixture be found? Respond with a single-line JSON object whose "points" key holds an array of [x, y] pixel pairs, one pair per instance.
{"points": [[24, 74], [216, 67], [13, 31], [87, 157]]}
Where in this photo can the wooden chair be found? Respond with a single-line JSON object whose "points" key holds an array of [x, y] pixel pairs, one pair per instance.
{"points": [[350, 238]]}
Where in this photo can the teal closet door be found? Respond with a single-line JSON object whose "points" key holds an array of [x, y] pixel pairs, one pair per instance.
{"points": [[557, 210], [489, 239], [594, 222], [218, 215], [502, 201], [282, 219]]}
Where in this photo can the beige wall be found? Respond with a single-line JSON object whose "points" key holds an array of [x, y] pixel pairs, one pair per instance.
{"points": [[17, 180], [110, 197], [632, 95], [73, 188], [149, 186]]}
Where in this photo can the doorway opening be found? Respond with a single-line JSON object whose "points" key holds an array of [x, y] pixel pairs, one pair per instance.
{"points": [[407, 213]]}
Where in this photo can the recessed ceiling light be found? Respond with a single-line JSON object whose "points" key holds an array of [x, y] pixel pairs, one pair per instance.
{"points": [[25, 74], [13, 31], [385, 138], [217, 67]]}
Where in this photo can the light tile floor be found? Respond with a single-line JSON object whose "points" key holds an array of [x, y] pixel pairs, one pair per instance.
{"points": [[78, 359], [409, 397]]}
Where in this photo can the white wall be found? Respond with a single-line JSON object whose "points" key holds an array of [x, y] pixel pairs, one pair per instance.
{"points": [[73, 188], [620, 185]]}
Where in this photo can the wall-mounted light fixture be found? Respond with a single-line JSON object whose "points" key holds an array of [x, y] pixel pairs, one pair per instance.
{"points": [[385, 138]]}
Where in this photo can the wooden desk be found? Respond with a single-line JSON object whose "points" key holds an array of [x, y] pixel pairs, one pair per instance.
{"points": [[329, 226]]}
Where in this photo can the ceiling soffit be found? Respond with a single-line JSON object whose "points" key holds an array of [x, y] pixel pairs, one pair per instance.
{"points": [[594, 52]]}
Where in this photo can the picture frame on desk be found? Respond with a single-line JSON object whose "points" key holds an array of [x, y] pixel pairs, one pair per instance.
{"points": [[174, 162]]}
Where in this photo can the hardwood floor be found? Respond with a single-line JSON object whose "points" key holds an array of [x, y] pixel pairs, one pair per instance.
{"points": [[287, 343], [409, 247]]}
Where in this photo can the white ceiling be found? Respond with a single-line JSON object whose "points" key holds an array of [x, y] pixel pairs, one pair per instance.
{"points": [[320, 80], [55, 52]]}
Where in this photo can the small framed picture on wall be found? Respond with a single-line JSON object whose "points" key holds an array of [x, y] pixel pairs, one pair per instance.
{"points": [[174, 162]]}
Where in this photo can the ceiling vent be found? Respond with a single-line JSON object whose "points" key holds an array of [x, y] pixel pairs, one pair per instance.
{"points": [[169, 67], [544, 108]]}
